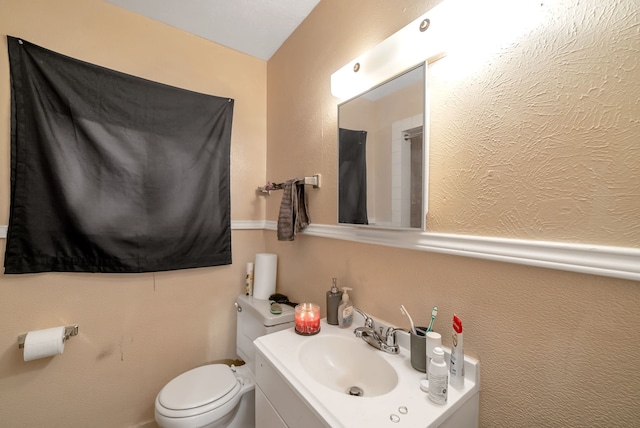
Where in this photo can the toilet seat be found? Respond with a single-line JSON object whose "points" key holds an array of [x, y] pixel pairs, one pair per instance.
{"points": [[201, 390]]}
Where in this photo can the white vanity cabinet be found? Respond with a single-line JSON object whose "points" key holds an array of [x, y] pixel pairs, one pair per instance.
{"points": [[302, 382], [266, 415], [283, 407]]}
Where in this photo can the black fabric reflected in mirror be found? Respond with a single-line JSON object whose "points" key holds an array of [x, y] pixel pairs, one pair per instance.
{"points": [[352, 171]]}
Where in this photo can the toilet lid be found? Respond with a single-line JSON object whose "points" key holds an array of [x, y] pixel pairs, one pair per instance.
{"points": [[198, 387]]}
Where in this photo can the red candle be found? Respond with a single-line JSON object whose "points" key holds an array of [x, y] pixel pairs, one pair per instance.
{"points": [[307, 319]]}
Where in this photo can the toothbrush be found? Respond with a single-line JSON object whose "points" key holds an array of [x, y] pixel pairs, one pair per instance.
{"points": [[406, 313], [434, 312]]}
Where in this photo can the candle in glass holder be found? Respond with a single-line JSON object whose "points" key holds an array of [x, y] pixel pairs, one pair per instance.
{"points": [[307, 319]]}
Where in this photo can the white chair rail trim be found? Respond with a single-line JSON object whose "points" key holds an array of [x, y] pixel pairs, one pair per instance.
{"points": [[615, 262]]}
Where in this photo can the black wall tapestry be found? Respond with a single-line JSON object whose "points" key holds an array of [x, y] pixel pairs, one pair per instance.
{"points": [[111, 172]]}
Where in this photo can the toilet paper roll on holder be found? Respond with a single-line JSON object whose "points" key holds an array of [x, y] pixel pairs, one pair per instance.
{"points": [[69, 331]]}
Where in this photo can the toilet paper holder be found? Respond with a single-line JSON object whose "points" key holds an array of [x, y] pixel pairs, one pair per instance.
{"points": [[69, 331]]}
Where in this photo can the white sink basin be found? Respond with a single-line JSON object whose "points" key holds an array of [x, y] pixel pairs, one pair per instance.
{"points": [[347, 365]]}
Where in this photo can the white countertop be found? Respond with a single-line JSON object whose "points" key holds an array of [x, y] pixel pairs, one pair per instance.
{"points": [[342, 410]]}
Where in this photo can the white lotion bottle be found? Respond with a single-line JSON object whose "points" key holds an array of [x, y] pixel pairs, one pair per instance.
{"points": [[438, 377], [433, 340], [345, 310]]}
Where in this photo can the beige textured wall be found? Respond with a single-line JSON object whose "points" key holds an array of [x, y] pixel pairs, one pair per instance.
{"points": [[537, 141], [136, 331]]}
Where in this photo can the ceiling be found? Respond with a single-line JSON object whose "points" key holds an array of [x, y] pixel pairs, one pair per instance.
{"points": [[255, 27]]}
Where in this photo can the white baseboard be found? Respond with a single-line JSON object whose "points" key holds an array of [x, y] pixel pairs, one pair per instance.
{"points": [[150, 424]]}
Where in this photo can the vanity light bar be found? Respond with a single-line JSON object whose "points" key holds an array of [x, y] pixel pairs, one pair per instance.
{"points": [[422, 40]]}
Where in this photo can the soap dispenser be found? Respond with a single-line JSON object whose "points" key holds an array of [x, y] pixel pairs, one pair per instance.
{"points": [[345, 310], [334, 297]]}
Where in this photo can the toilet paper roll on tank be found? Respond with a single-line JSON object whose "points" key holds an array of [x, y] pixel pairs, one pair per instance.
{"points": [[264, 275]]}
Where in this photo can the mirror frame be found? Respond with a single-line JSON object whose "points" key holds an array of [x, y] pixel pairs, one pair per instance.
{"points": [[425, 148]]}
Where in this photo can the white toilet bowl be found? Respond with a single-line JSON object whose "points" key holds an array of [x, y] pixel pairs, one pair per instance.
{"points": [[217, 395], [210, 396]]}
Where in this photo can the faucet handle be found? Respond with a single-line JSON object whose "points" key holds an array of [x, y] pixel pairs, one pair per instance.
{"points": [[368, 321], [390, 335]]}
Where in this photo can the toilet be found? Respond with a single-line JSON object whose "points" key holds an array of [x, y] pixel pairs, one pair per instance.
{"points": [[216, 395]]}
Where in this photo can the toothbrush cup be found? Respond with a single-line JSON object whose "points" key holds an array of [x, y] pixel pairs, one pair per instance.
{"points": [[419, 349]]}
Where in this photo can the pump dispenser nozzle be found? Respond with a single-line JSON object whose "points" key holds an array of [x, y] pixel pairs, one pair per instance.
{"points": [[345, 295]]}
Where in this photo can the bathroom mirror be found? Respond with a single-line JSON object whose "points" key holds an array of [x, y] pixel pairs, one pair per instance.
{"points": [[383, 153]]}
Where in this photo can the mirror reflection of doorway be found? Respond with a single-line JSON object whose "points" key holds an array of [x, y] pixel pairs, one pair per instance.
{"points": [[413, 138], [407, 189]]}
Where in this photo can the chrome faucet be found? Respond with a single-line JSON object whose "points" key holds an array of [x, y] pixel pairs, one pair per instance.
{"points": [[369, 335]]}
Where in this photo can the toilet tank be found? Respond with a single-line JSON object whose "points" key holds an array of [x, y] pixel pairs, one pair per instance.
{"points": [[254, 320]]}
